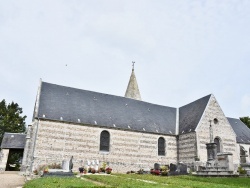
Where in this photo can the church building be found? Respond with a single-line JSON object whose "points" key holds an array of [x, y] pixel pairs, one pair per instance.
{"points": [[126, 132]]}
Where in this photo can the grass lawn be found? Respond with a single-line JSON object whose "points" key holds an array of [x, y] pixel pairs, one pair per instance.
{"points": [[136, 180], [62, 182]]}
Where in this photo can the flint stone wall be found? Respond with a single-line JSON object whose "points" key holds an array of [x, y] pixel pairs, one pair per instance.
{"points": [[56, 141], [187, 147], [221, 130]]}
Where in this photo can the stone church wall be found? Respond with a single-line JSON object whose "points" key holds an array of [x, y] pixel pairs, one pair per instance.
{"points": [[4, 159], [187, 147], [56, 141], [29, 148], [221, 130]]}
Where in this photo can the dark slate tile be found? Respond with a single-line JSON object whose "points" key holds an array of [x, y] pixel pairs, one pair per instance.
{"points": [[104, 110], [190, 114], [13, 141], [241, 130]]}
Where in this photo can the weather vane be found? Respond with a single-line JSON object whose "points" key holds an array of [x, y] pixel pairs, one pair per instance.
{"points": [[133, 66]]}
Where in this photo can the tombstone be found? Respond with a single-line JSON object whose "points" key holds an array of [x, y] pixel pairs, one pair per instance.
{"points": [[92, 164], [182, 169], [65, 165], [172, 167], [87, 165], [66, 170], [88, 162], [71, 164], [157, 166], [97, 165], [179, 169]]}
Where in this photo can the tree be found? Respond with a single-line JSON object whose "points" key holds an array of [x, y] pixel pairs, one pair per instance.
{"points": [[11, 119], [246, 120]]}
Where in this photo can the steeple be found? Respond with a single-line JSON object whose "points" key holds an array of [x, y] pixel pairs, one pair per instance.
{"points": [[133, 89]]}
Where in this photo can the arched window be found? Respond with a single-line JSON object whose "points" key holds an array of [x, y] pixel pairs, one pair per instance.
{"points": [[161, 146], [104, 141], [218, 143], [242, 151], [243, 155]]}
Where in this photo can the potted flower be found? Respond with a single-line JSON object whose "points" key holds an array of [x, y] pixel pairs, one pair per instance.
{"points": [[157, 172], [46, 170], [164, 170], [108, 170], [93, 171], [81, 169], [152, 171], [102, 169], [35, 172]]}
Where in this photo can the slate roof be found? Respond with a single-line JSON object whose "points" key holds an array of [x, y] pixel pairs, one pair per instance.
{"points": [[190, 114], [13, 141], [98, 109], [241, 130]]}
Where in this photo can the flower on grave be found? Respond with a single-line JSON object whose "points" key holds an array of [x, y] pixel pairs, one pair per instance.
{"points": [[46, 169], [93, 171], [152, 171], [108, 170], [164, 170], [156, 172], [104, 164], [35, 172], [81, 169], [140, 171]]}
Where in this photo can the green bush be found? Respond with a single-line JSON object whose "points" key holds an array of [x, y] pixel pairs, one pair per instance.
{"points": [[242, 171]]}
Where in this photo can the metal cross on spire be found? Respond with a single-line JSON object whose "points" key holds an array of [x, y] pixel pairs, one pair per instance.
{"points": [[133, 66]]}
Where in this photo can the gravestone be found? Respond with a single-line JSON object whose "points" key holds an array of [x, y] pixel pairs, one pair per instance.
{"points": [[65, 165], [182, 169], [71, 164], [87, 165], [179, 169], [97, 165], [172, 167], [157, 166], [66, 170], [92, 164]]}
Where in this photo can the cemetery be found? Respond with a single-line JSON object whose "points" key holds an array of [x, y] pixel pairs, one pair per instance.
{"points": [[93, 173], [138, 180]]}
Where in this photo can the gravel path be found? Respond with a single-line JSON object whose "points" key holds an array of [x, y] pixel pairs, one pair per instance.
{"points": [[11, 180]]}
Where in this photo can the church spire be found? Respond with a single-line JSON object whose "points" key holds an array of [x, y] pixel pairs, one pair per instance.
{"points": [[133, 89]]}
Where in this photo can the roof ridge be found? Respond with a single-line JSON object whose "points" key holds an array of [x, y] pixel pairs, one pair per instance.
{"points": [[196, 100]]}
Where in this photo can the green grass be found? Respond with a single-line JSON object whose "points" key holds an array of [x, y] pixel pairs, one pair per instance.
{"points": [[136, 180], [59, 182]]}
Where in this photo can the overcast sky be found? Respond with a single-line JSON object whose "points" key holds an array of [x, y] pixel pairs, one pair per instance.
{"points": [[183, 49]]}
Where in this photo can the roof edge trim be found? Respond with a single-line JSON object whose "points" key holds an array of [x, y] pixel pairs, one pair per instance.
{"points": [[177, 128], [36, 109], [203, 112]]}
